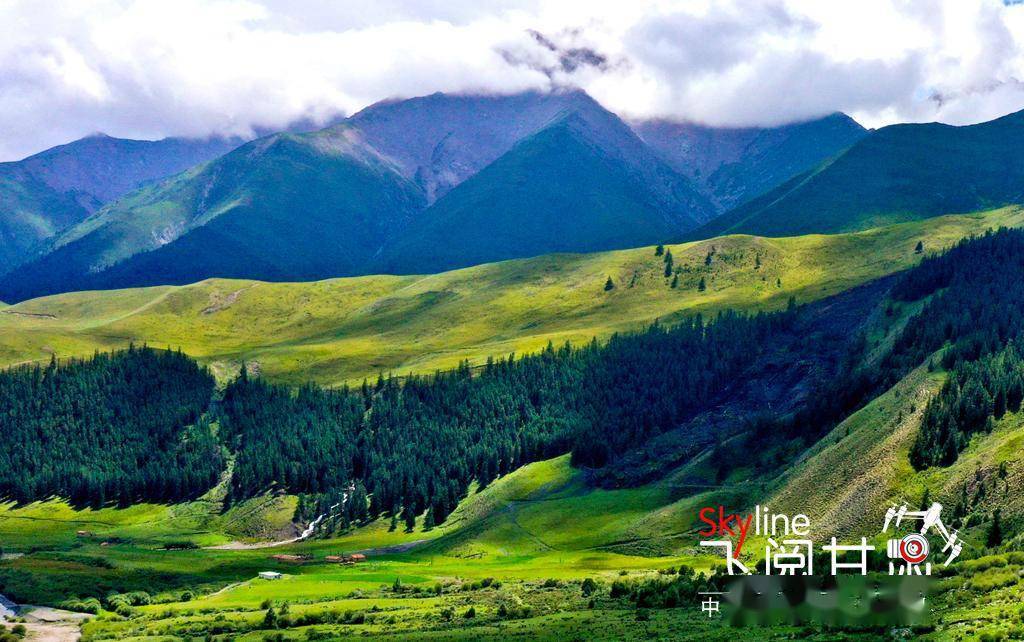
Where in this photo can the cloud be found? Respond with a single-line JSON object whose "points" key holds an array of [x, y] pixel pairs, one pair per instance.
{"points": [[146, 68], [554, 58]]}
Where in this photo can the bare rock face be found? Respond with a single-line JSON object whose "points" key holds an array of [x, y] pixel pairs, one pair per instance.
{"points": [[441, 140]]}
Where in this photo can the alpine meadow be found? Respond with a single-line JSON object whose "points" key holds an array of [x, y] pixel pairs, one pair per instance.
{"points": [[521, 320]]}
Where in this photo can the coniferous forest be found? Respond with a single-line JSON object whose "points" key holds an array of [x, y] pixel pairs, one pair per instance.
{"points": [[115, 428], [408, 446], [976, 316], [416, 445]]}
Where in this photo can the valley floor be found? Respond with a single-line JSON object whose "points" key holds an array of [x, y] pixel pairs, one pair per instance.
{"points": [[515, 555]]}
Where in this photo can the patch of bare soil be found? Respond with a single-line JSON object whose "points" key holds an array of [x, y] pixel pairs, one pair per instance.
{"points": [[390, 550], [44, 624], [243, 546], [52, 632], [220, 302]]}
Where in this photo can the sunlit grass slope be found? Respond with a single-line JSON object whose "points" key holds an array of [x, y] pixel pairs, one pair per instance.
{"points": [[346, 329], [847, 480], [542, 509], [55, 524]]}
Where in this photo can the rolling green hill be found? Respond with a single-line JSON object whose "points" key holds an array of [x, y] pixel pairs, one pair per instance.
{"points": [[346, 329], [897, 173], [863, 466], [525, 543]]}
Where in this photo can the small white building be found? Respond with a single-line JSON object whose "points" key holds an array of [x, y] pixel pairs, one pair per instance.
{"points": [[269, 575]]}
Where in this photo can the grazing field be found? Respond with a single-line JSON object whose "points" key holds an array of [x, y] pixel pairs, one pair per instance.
{"points": [[343, 330], [525, 542]]}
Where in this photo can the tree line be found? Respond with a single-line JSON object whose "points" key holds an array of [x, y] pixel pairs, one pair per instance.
{"points": [[135, 425], [971, 324], [976, 317]]}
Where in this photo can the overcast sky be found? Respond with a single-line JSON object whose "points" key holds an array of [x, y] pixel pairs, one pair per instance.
{"points": [[147, 69]]}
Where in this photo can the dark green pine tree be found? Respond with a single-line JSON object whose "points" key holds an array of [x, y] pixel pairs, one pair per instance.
{"points": [[609, 284], [675, 281], [994, 537], [658, 251], [668, 263], [919, 248], [270, 619], [702, 286]]}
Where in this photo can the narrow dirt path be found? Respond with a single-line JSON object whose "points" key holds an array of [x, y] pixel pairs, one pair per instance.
{"points": [[242, 546], [395, 548]]}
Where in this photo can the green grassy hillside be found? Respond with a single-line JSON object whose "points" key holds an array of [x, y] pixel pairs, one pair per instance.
{"points": [[898, 173], [346, 329], [557, 191], [517, 551], [206, 521], [526, 542]]}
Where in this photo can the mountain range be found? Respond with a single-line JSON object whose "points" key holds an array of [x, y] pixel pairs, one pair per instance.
{"points": [[408, 186], [897, 173], [447, 181], [584, 182], [54, 189], [731, 165]]}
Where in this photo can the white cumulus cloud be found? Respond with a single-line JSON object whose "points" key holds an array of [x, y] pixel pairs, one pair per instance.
{"points": [[149, 68]]}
